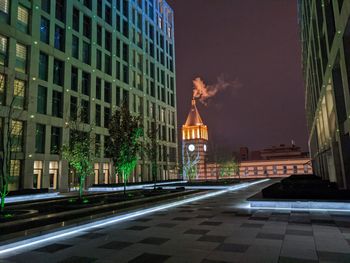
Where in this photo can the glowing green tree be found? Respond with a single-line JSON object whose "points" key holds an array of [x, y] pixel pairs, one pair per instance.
{"points": [[228, 168], [125, 131], [80, 156]]}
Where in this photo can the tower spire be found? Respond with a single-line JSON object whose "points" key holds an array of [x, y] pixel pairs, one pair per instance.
{"points": [[193, 118]]}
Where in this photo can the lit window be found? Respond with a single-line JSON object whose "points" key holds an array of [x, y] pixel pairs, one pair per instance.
{"points": [[54, 169], [3, 44], [37, 174], [3, 50], [15, 167], [160, 22], [106, 172], [162, 115], [21, 51], [22, 15], [4, 6], [169, 32], [16, 135], [21, 57], [18, 92], [15, 171], [19, 87], [2, 89]]}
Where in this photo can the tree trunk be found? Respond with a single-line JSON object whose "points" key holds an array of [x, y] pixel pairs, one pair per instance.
{"points": [[2, 203], [154, 175], [82, 180], [124, 177]]}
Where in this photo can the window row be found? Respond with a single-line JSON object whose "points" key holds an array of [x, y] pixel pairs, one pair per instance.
{"points": [[18, 94], [21, 54], [275, 170]]}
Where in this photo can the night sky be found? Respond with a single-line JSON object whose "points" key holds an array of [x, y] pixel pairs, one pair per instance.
{"points": [[255, 43]]}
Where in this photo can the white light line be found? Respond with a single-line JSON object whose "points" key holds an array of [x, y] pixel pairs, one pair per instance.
{"points": [[14, 199], [5, 249], [209, 187], [131, 187], [298, 209]]}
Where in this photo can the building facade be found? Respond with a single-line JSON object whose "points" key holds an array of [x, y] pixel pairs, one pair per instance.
{"points": [[77, 61], [273, 162], [325, 37], [255, 169]]}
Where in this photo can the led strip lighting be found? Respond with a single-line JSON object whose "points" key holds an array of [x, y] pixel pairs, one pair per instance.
{"points": [[131, 187], [297, 209], [208, 187], [15, 199], [12, 247]]}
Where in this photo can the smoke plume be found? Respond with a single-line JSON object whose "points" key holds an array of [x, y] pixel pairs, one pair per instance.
{"points": [[203, 92]]}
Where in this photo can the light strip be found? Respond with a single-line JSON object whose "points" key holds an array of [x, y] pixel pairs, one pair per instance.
{"points": [[14, 199], [299, 209], [303, 205], [5, 249], [131, 187], [208, 187], [33, 197]]}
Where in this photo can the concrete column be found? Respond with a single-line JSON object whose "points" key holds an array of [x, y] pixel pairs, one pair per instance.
{"points": [[63, 177], [113, 174], [46, 174], [29, 147], [100, 174]]}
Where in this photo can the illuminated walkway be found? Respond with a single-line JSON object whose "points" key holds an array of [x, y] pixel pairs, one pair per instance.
{"points": [[218, 229]]}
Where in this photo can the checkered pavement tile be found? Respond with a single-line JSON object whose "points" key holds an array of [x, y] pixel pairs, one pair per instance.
{"points": [[208, 231]]}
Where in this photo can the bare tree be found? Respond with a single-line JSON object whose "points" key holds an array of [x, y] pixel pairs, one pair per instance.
{"points": [[11, 137], [151, 149], [190, 162]]}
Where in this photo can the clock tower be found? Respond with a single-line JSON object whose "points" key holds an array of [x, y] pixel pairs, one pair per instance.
{"points": [[194, 145]]}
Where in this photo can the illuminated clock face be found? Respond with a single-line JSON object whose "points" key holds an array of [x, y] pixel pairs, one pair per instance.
{"points": [[191, 147], [205, 147]]}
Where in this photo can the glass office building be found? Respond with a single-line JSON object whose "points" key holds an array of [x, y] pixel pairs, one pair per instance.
{"points": [[325, 36], [79, 60]]}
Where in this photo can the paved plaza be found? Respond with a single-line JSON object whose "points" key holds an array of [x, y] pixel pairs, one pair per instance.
{"points": [[218, 229]]}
